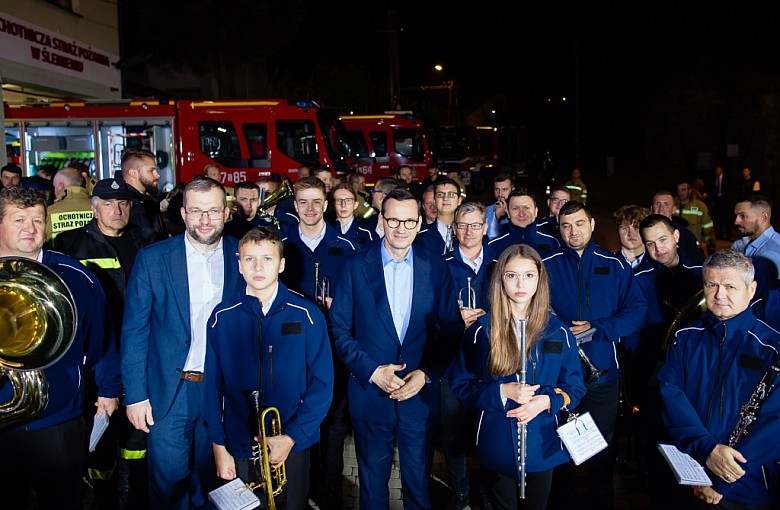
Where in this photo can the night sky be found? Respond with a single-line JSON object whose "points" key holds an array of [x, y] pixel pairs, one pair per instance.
{"points": [[626, 68], [529, 51]]}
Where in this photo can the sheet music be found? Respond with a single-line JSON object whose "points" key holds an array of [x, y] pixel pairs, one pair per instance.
{"points": [[686, 469], [99, 426], [582, 438], [234, 496]]}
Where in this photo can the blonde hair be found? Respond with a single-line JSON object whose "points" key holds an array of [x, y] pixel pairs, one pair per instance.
{"points": [[504, 349]]}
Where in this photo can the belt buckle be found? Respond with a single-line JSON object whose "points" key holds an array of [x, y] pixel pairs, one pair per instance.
{"points": [[192, 376]]}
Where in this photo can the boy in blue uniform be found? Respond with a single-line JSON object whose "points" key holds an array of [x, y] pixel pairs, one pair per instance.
{"points": [[247, 335]]}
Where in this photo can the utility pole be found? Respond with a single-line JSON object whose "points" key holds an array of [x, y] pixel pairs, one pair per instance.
{"points": [[392, 38]]}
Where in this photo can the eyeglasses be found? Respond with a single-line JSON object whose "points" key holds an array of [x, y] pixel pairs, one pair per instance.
{"points": [[344, 201], [512, 277], [474, 226], [374, 190], [558, 200], [447, 194], [214, 214], [395, 222]]}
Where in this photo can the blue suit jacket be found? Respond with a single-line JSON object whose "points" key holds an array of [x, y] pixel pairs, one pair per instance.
{"points": [[156, 330], [365, 336]]}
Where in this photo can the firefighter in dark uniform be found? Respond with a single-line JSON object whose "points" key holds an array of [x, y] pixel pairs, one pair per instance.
{"points": [[108, 245], [139, 171]]}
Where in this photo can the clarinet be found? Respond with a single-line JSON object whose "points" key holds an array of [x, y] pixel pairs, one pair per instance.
{"points": [[521, 427], [749, 411]]}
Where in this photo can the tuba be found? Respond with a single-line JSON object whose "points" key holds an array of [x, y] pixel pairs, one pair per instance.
{"points": [[690, 312], [272, 479], [37, 325], [272, 199]]}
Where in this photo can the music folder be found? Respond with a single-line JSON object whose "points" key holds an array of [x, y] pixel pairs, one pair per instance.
{"points": [[99, 426], [234, 495], [686, 469], [585, 337]]}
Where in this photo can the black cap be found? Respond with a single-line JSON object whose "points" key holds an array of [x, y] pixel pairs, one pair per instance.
{"points": [[108, 189]]}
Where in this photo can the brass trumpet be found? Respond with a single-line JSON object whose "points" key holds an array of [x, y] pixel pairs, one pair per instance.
{"points": [[272, 479]]}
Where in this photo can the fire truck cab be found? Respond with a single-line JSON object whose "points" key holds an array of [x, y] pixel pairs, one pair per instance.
{"points": [[379, 144], [247, 139], [477, 153]]}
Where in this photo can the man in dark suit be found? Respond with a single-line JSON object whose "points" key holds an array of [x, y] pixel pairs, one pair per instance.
{"points": [[174, 286], [721, 205], [396, 325]]}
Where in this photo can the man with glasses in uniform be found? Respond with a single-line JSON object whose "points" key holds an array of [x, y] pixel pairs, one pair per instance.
{"points": [[439, 237]]}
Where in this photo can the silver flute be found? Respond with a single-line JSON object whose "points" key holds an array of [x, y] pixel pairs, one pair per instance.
{"points": [[521, 428]]}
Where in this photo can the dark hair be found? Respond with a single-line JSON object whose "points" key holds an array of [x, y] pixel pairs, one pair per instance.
{"points": [[22, 198], [78, 165], [444, 181], [400, 195], [755, 200], [14, 169], [573, 207], [653, 220], [560, 188], [203, 184], [131, 156], [246, 185], [522, 192], [258, 235], [503, 176], [47, 171], [319, 169]]}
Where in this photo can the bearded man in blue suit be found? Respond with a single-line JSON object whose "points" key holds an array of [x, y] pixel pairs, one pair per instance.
{"points": [[395, 322], [174, 286]]}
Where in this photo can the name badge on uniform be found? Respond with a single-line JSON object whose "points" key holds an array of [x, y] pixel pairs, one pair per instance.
{"points": [[292, 328]]}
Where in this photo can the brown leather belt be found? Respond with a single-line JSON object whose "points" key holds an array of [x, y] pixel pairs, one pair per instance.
{"points": [[192, 376]]}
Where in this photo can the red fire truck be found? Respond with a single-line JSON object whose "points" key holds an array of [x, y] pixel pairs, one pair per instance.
{"points": [[379, 144], [247, 139], [478, 152]]}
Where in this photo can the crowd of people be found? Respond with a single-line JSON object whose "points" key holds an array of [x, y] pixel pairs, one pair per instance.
{"points": [[402, 314]]}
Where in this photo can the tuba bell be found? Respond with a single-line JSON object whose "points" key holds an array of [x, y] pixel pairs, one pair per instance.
{"points": [[269, 201], [690, 312], [37, 325]]}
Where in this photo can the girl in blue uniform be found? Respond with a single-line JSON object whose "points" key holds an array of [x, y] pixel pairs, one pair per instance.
{"points": [[486, 378]]}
